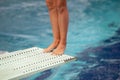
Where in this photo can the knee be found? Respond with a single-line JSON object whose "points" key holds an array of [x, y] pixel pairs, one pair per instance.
{"points": [[50, 4], [61, 8]]}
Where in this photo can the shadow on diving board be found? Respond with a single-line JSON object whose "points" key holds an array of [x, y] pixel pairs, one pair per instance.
{"points": [[22, 63]]}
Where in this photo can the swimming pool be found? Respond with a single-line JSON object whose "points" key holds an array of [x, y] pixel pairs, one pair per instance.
{"points": [[93, 36]]}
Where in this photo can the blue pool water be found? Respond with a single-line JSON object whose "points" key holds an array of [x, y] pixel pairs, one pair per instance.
{"points": [[93, 36]]}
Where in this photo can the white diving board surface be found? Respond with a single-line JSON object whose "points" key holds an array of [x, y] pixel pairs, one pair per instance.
{"points": [[22, 63]]}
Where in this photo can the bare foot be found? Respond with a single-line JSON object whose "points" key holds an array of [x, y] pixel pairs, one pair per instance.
{"points": [[59, 50], [51, 47]]}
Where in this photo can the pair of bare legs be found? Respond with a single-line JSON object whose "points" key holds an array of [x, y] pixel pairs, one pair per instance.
{"points": [[59, 20]]}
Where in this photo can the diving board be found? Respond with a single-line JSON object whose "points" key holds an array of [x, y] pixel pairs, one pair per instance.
{"points": [[22, 63]]}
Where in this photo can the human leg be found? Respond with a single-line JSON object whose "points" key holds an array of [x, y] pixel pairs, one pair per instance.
{"points": [[63, 19], [51, 4]]}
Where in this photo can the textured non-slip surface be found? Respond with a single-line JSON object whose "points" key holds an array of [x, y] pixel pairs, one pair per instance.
{"points": [[22, 63]]}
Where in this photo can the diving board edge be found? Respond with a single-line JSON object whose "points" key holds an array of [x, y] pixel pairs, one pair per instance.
{"points": [[47, 68]]}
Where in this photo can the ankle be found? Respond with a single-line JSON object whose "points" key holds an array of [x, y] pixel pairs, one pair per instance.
{"points": [[62, 43], [56, 42]]}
